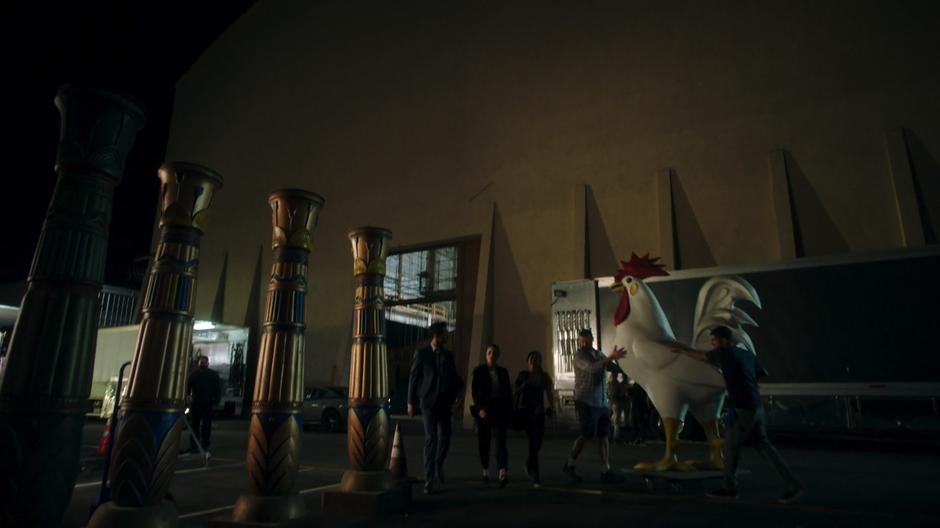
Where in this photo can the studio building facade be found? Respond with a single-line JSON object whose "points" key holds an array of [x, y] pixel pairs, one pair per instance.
{"points": [[511, 146]]}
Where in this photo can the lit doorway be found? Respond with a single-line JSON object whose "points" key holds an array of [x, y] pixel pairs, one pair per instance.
{"points": [[425, 285]]}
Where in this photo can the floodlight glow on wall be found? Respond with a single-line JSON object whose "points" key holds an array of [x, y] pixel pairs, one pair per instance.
{"points": [[203, 325]]}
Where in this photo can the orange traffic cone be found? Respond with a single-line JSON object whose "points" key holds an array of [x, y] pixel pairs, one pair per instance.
{"points": [[105, 438], [398, 464]]}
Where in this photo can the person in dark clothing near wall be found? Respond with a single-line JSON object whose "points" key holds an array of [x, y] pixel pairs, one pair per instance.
{"points": [[639, 413], [205, 391], [740, 369], [534, 389], [433, 386], [619, 401], [492, 408]]}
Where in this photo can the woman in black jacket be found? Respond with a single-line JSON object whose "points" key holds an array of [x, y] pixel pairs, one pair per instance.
{"points": [[535, 399], [492, 408]]}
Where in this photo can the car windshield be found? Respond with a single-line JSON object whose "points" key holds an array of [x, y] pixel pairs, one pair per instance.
{"points": [[340, 391]]}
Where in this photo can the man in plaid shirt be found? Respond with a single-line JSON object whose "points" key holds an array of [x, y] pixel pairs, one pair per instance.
{"points": [[590, 395]]}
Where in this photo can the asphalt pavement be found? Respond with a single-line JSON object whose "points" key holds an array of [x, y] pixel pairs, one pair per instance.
{"points": [[858, 485]]}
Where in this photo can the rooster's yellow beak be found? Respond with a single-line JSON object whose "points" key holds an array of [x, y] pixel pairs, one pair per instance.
{"points": [[616, 286]]}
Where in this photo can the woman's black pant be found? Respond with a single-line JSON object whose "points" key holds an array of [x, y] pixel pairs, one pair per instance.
{"points": [[488, 429], [535, 432]]}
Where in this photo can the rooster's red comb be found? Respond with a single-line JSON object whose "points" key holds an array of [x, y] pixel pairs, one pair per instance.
{"points": [[640, 267]]}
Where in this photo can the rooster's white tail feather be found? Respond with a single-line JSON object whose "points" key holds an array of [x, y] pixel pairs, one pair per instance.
{"points": [[716, 306]]}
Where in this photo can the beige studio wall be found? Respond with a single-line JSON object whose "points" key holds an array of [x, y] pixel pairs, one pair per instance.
{"points": [[548, 130]]}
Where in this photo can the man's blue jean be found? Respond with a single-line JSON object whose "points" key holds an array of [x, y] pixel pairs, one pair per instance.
{"points": [[437, 430]]}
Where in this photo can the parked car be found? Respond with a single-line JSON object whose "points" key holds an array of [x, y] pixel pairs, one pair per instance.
{"points": [[325, 407]]}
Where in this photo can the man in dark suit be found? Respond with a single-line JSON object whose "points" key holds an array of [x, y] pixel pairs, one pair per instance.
{"points": [[433, 387]]}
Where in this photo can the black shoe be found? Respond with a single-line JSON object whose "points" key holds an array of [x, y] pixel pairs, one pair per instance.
{"points": [[503, 482], [428, 488], [791, 496], [486, 480], [611, 477], [534, 477], [569, 470], [440, 476], [722, 494]]}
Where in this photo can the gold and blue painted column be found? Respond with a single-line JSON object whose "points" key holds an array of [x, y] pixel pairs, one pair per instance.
{"points": [[44, 393], [276, 421], [150, 422], [368, 423]]}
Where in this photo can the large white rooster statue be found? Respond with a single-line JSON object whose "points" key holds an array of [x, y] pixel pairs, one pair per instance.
{"points": [[674, 382]]}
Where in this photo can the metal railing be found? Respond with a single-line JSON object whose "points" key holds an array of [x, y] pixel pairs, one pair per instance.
{"points": [[853, 407], [118, 307]]}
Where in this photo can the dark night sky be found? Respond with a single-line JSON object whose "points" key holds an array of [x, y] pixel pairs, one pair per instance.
{"points": [[138, 47]]}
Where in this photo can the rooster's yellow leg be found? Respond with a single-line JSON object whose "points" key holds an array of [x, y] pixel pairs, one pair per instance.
{"points": [[670, 459], [715, 460]]}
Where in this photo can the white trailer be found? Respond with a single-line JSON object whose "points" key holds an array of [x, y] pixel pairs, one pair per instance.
{"points": [[114, 347], [224, 345], [848, 340]]}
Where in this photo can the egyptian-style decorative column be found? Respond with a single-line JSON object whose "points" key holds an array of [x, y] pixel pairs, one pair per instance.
{"points": [[150, 424], [276, 421], [368, 424], [45, 390]]}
